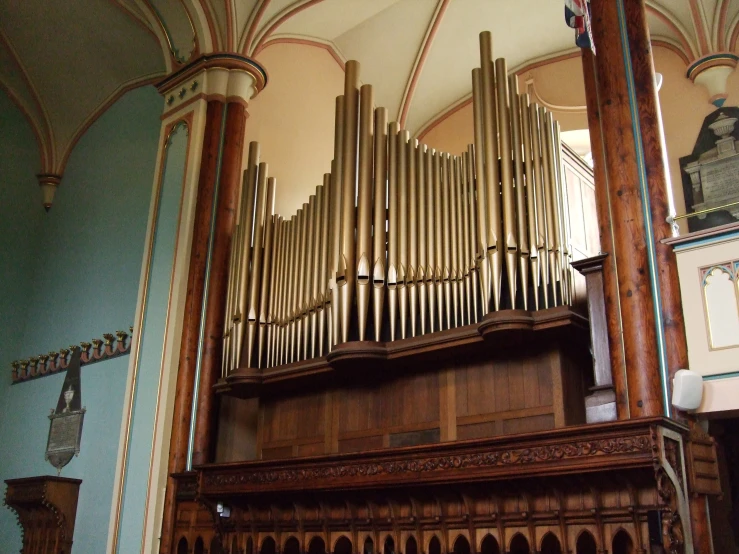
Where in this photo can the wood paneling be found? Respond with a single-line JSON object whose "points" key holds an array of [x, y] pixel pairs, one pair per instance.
{"points": [[494, 390]]}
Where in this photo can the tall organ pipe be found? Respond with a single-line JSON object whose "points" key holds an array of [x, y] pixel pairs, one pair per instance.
{"points": [[433, 232]]}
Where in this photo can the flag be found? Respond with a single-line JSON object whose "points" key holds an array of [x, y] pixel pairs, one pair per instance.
{"points": [[577, 16]]}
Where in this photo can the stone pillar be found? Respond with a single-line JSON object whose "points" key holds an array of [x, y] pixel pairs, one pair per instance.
{"points": [[638, 202], [227, 83]]}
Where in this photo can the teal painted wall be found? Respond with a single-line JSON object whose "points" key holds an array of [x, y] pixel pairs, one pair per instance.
{"points": [[68, 276], [152, 340], [20, 217]]}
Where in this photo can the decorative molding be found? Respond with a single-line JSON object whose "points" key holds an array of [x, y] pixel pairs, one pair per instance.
{"points": [[216, 60], [252, 24], [404, 469], [669, 19], [329, 46], [97, 350], [423, 51], [573, 450], [42, 129], [280, 18]]}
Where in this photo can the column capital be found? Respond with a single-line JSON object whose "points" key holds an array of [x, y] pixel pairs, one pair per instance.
{"points": [[220, 76]]}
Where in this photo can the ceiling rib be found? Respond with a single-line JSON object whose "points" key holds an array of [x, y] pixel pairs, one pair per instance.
{"points": [[669, 19], [329, 46], [698, 17], [252, 25], [97, 112], [42, 129], [417, 68], [280, 18]]}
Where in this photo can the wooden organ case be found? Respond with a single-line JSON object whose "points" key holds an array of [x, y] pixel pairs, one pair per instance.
{"points": [[406, 359]]}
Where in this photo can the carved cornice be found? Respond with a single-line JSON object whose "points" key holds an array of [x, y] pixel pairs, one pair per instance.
{"points": [[97, 350], [571, 450]]}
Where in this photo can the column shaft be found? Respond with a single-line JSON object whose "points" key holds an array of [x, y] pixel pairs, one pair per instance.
{"points": [[228, 194], [191, 319], [660, 193], [605, 228], [632, 250]]}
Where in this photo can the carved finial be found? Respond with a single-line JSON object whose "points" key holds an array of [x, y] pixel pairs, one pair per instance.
{"points": [[48, 183]]}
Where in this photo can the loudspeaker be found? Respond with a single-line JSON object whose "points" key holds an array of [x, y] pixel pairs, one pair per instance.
{"points": [[687, 390]]}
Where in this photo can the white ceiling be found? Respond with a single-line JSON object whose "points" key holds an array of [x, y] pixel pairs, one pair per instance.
{"points": [[64, 62]]}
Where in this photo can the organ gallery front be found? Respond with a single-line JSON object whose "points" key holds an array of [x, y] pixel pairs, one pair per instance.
{"points": [[412, 364]]}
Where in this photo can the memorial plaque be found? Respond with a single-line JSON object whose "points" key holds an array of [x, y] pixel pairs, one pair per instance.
{"points": [[720, 180], [65, 429], [65, 432], [711, 172]]}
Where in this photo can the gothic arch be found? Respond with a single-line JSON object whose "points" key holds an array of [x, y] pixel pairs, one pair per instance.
{"points": [[585, 543], [550, 544], [622, 543], [489, 545], [519, 545]]}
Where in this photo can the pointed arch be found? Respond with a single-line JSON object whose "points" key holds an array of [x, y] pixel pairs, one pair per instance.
{"points": [[249, 546], [550, 544], [199, 547], [519, 545], [317, 546], [434, 546], [622, 543], [182, 547], [369, 545], [461, 545], [489, 545], [585, 543], [268, 545], [675, 25], [388, 547], [291, 545], [343, 546], [411, 545]]}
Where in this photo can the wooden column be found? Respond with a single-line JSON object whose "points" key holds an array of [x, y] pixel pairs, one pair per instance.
{"points": [[605, 229], [632, 236], [193, 307], [225, 221], [660, 193]]}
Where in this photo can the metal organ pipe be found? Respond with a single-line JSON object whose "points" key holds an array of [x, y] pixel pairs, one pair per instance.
{"points": [[401, 240]]}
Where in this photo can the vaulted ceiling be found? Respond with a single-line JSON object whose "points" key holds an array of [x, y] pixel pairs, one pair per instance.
{"points": [[65, 62]]}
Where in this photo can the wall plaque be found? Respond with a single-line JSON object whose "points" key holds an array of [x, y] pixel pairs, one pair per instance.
{"points": [[65, 429], [711, 172]]}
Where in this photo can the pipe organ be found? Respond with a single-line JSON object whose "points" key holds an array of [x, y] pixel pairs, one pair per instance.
{"points": [[401, 239]]}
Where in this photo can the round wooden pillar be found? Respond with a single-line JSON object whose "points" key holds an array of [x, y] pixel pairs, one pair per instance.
{"points": [[637, 206], [225, 220]]}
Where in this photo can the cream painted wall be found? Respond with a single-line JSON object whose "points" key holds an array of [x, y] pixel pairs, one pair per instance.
{"points": [[293, 119], [559, 84], [684, 106]]}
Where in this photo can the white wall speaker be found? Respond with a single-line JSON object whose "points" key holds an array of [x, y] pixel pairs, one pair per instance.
{"points": [[687, 390]]}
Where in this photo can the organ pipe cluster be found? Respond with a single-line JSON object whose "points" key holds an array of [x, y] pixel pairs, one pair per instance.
{"points": [[399, 239]]}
